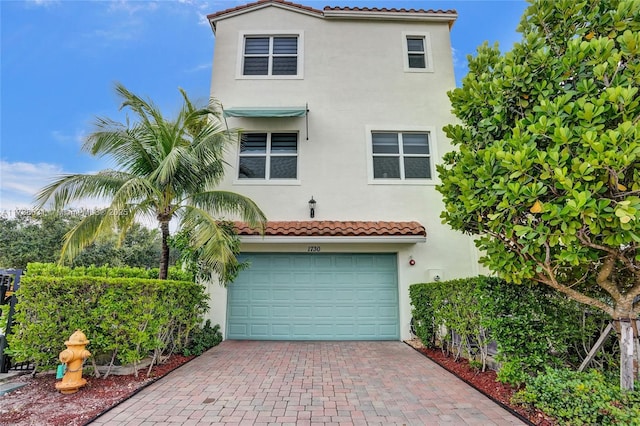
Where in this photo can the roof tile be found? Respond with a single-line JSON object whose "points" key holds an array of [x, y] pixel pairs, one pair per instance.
{"points": [[329, 8], [384, 9], [335, 228], [259, 2]]}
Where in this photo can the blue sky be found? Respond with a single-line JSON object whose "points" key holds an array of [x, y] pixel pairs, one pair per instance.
{"points": [[60, 59]]}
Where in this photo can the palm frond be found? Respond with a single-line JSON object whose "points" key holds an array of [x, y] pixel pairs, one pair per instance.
{"points": [[97, 224], [220, 203], [211, 239], [73, 187]]}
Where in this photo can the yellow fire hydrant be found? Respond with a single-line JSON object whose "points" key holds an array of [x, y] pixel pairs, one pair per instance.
{"points": [[74, 357]]}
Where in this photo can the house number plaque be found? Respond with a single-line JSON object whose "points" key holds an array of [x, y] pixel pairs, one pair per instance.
{"points": [[313, 249]]}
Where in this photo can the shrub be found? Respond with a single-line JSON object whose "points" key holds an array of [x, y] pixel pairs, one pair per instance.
{"points": [[532, 326], [106, 271], [202, 339], [127, 317], [581, 398]]}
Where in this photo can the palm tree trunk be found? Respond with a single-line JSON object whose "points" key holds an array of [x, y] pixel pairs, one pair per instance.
{"points": [[164, 254]]}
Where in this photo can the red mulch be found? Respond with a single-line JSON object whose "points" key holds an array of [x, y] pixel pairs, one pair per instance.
{"points": [[40, 403], [485, 382]]}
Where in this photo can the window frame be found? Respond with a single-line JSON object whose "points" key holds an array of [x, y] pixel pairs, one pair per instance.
{"points": [[428, 57], [268, 154], [429, 130], [242, 35]]}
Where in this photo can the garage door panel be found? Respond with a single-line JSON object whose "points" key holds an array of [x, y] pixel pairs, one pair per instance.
{"points": [[281, 295], [239, 311], [301, 330], [321, 294], [320, 278], [315, 297], [301, 312], [259, 331], [238, 329], [260, 294], [388, 330], [279, 312], [321, 312], [260, 312], [281, 330]]}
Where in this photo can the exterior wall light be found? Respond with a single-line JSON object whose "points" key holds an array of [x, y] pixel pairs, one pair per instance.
{"points": [[312, 207], [411, 261]]}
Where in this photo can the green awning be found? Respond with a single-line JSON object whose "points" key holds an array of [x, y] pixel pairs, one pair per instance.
{"points": [[266, 112]]}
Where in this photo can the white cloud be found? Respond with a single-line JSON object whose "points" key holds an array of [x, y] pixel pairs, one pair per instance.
{"points": [[201, 67], [132, 7], [43, 3], [21, 181], [67, 139]]}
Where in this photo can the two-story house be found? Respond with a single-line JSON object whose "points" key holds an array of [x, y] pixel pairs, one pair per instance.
{"points": [[341, 112]]}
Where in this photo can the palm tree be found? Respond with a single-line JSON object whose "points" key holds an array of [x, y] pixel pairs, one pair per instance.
{"points": [[165, 169]]}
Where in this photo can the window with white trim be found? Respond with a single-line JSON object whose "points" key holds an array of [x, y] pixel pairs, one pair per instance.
{"points": [[401, 155], [268, 156], [270, 55], [416, 52], [416, 48]]}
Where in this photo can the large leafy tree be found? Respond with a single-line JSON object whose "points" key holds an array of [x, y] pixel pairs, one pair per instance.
{"points": [[165, 169], [38, 236], [32, 236], [547, 168]]}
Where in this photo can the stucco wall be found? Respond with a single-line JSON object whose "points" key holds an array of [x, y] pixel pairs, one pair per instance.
{"points": [[354, 82]]}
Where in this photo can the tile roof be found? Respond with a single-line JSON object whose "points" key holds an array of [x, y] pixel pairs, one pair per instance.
{"points": [[325, 228], [385, 9], [261, 2], [330, 9]]}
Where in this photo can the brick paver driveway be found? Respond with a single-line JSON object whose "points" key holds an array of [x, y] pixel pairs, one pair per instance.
{"points": [[309, 383]]}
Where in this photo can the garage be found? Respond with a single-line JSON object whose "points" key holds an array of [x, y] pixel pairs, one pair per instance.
{"points": [[314, 296]]}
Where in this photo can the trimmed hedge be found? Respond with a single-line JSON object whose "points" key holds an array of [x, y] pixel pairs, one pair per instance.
{"points": [[127, 318], [533, 326], [106, 271]]}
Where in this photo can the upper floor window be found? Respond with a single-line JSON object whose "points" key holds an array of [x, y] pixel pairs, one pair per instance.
{"points": [[270, 55], [268, 156], [401, 155], [417, 52]]}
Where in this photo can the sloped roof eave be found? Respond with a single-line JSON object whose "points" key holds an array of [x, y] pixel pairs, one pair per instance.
{"points": [[448, 16], [334, 231]]}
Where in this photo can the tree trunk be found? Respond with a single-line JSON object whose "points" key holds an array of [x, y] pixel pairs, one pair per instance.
{"points": [[626, 338], [164, 254]]}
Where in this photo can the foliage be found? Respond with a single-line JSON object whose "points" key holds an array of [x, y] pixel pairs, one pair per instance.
{"points": [[38, 235], [31, 236], [202, 339], [127, 317], [532, 325], [191, 257], [104, 271], [535, 327], [547, 168], [422, 313], [586, 398], [547, 171], [140, 248], [166, 169]]}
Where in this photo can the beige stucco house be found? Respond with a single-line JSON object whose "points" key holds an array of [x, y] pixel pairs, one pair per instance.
{"points": [[344, 106]]}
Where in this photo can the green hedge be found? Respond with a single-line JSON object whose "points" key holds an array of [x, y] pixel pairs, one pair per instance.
{"points": [[533, 326], [581, 398], [106, 271], [129, 318]]}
